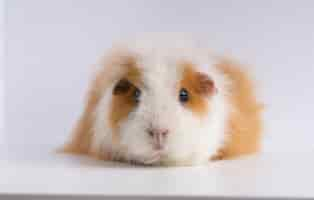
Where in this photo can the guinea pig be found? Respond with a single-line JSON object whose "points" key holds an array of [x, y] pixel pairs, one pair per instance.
{"points": [[158, 103]]}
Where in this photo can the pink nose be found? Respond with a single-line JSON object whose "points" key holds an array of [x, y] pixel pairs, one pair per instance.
{"points": [[158, 136]]}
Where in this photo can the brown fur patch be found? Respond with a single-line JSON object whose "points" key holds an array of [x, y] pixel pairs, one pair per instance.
{"points": [[123, 101], [199, 87], [244, 126], [81, 139]]}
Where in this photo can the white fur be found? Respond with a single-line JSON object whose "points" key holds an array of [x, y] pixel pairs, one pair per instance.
{"points": [[191, 140]]}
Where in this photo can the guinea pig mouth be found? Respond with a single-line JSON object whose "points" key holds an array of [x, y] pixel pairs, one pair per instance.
{"points": [[154, 159]]}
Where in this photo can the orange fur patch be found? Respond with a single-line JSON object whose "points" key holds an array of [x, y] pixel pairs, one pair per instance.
{"points": [[123, 101], [244, 126], [81, 139], [199, 87]]}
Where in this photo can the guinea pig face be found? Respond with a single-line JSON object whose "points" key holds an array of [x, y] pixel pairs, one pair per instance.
{"points": [[164, 112]]}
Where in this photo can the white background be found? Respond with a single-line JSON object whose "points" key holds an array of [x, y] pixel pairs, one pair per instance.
{"points": [[2, 142], [53, 44]]}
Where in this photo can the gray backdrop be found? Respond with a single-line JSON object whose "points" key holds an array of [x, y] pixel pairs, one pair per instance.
{"points": [[53, 44]]}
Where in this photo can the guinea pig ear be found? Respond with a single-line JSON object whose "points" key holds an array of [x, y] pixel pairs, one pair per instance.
{"points": [[206, 85]]}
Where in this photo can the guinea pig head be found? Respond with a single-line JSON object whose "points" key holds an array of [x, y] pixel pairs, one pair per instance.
{"points": [[161, 110]]}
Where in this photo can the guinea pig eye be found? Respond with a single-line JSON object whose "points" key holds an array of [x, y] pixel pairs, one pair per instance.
{"points": [[137, 95], [183, 95], [122, 87]]}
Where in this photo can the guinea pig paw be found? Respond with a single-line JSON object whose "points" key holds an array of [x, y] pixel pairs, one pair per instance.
{"points": [[135, 162], [138, 162]]}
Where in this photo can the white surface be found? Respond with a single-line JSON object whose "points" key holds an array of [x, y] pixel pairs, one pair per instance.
{"points": [[275, 175], [52, 45]]}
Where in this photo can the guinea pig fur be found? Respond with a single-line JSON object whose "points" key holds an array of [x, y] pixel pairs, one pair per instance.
{"points": [[167, 104]]}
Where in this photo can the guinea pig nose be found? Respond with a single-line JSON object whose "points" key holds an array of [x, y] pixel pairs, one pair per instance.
{"points": [[157, 132]]}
